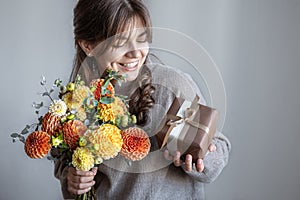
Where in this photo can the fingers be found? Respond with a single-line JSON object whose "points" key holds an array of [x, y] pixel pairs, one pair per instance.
{"points": [[80, 182], [176, 159], [167, 155], [199, 165], [188, 162], [212, 148]]}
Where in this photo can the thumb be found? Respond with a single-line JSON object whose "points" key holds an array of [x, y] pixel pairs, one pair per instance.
{"points": [[94, 170]]}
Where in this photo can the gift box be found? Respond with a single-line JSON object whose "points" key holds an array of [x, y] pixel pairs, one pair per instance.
{"points": [[188, 127]]}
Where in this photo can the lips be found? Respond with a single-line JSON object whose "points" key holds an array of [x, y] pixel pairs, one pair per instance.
{"points": [[131, 66]]}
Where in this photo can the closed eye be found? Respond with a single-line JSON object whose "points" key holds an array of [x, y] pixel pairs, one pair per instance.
{"points": [[143, 37]]}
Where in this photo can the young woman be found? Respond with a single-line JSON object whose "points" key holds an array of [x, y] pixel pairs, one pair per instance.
{"points": [[115, 34]]}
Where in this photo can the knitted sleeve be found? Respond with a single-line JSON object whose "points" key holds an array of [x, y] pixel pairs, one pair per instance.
{"points": [[214, 162], [183, 86], [60, 172]]}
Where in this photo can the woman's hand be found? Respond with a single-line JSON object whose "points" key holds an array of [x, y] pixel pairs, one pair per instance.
{"points": [[188, 159], [80, 182]]}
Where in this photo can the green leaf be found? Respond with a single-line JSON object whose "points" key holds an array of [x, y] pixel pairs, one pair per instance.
{"points": [[119, 82], [57, 82], [43, 80], [14, 135], [106, 100], [37, 105], [24, 131], [103, 90], [40, 119], [22, 139], [45, 94]]}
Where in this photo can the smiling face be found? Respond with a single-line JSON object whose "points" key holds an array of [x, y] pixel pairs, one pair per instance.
{"points": [[125, 52]]}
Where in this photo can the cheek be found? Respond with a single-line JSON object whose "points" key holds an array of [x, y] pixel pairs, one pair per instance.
{"points": [[105, 60], [145, 53]]}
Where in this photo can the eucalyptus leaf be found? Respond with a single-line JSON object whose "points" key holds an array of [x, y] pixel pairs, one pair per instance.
{"points": [[106, 83], [43, 80], [103, 90], [119, 82], [40, 119], [57, 82], [51, 158], [106, 100], [24, 131], [37, 105], [14, 135], [86, 122], [45, 94], [122, 96], [22, 139]]}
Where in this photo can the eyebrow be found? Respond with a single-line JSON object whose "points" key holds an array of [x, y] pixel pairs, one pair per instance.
{"points": [[142, 34], [122, 37]]}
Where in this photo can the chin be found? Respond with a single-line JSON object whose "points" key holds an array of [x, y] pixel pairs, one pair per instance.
{"points": [[131, 76]]}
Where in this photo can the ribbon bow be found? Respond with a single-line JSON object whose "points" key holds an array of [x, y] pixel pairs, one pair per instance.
{"points": [[189, 115]]}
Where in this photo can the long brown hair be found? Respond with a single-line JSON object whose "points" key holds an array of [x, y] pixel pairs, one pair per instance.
{"points": [[97, 20]]}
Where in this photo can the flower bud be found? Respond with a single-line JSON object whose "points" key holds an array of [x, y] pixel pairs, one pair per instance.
{"points": [[133, 118], [82, 141], [96, 147], [70, 86], [56, 141], [98, 160], [70, 116], [63, 89], [124, 121]]}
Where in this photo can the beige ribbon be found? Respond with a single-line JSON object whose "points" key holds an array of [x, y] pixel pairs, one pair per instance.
{"points": [[189, 114]]}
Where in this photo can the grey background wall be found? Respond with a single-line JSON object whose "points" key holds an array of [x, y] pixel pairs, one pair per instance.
{"points": [[36, 39], [255, 45]]}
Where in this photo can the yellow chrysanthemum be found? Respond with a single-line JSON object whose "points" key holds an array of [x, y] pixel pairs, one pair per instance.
{"points": [[108, 140], [72, 103], [106, 113], [118, 107], [81, 114], [58, 108], [75, 99], [82, 159]]}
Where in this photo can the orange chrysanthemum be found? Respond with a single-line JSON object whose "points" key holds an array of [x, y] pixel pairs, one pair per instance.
{"points": [[136, 143], [97, 84], [107, 141], [37, 144], [72, 130], [51, 124]]}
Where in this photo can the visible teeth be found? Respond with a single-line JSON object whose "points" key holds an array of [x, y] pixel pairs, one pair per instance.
{"points": [[129, 65]]}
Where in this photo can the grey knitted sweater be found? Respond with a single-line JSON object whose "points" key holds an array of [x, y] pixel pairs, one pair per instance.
{"points": [[154, 177]]}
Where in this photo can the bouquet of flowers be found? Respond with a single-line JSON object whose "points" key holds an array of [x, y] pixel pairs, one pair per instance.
{"points": [[89, 123]]}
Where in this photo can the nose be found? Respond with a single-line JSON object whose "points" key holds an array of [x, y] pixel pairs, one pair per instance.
{"points": [[133, 54]]}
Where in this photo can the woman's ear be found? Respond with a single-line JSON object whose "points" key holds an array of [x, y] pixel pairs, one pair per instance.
{"points": [[87, 47]]}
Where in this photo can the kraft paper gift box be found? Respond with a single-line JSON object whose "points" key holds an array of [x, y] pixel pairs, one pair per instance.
{"points": [[188, 127]]}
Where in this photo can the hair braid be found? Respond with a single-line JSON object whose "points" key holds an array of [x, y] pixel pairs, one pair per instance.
{"points": [[142, 100]]}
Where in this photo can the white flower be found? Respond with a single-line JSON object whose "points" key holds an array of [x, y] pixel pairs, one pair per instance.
{"points": [[58, 108]]}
